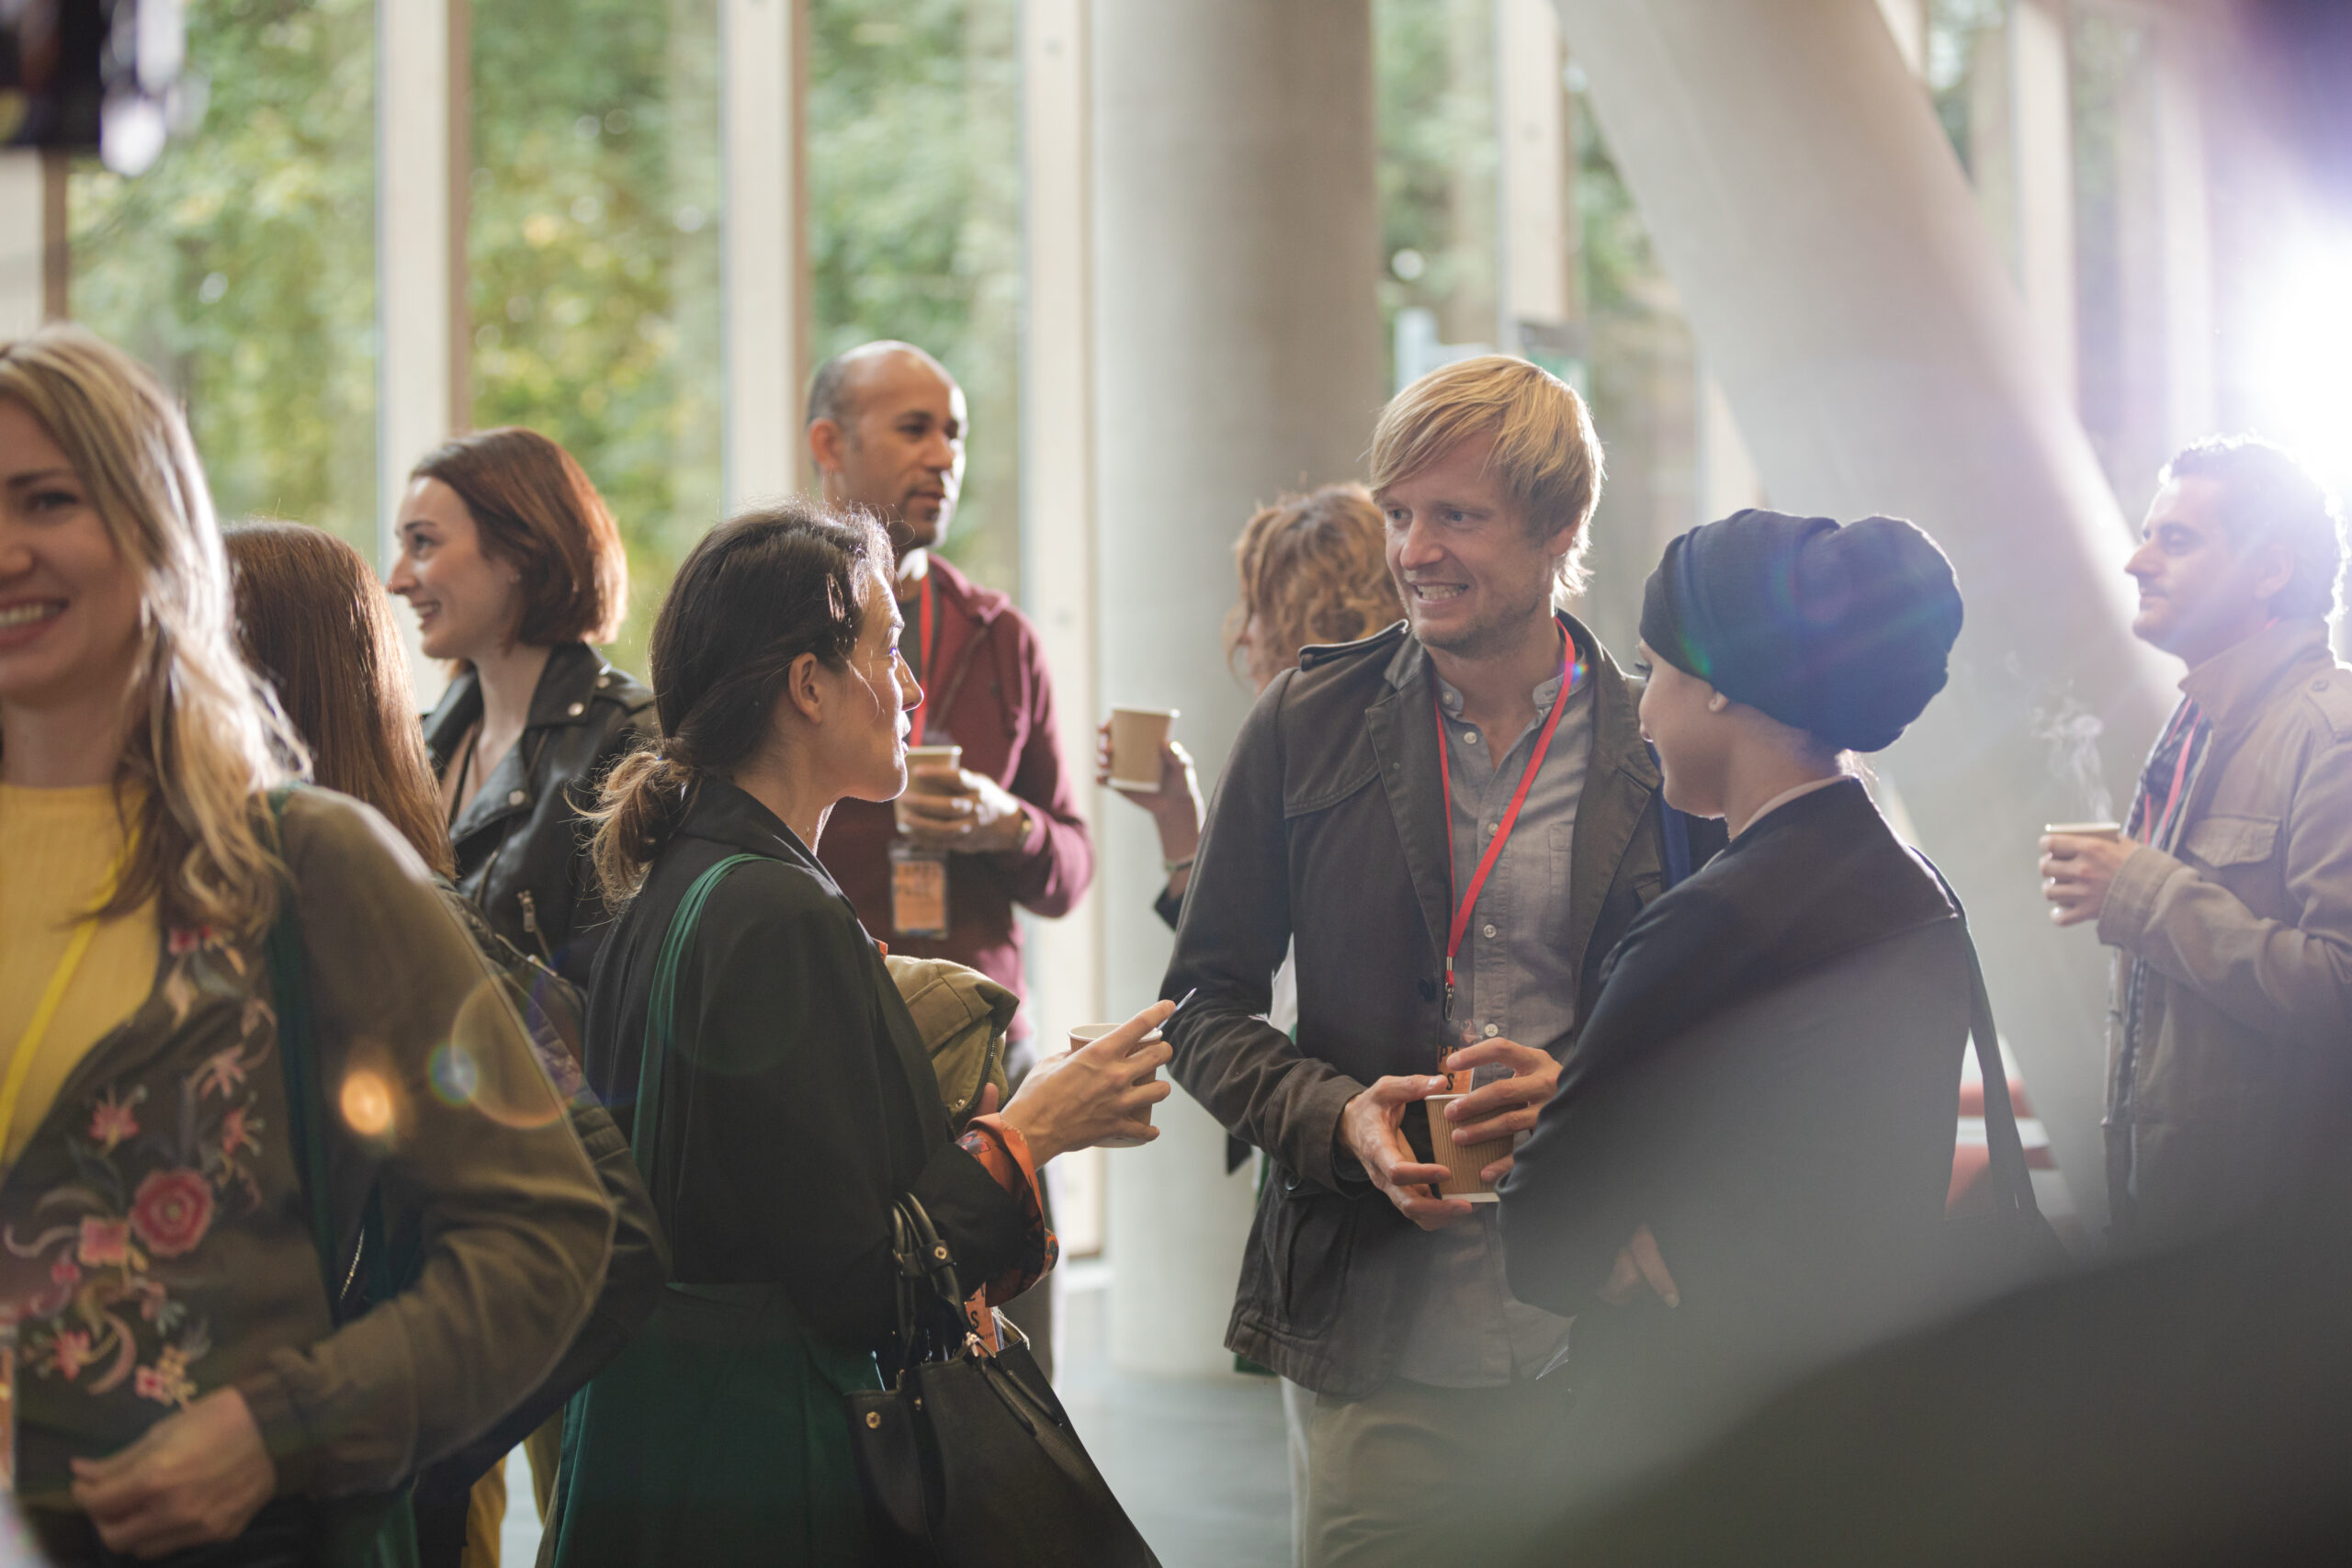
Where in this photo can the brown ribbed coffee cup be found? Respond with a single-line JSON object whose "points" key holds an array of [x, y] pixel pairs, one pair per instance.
{"points": [[1465, 1160]]}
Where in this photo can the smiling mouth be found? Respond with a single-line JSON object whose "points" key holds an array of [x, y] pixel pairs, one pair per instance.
{"points": [[31, 613], [1437, 593]]}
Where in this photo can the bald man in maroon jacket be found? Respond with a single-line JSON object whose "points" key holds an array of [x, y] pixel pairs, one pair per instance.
{"points": [[886, 426]]}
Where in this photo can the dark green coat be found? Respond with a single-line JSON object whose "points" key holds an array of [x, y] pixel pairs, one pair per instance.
{"points": [[797, 1104]]}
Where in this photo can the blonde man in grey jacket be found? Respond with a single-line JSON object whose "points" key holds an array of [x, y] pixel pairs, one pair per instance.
{"points": [[2229, 898]]}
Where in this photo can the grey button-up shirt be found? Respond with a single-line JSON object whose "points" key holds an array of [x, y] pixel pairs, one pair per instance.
{"points": [[1514, 979]]}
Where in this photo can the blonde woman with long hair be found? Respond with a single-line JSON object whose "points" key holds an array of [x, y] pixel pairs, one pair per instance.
{"points": [[192, 1373]]}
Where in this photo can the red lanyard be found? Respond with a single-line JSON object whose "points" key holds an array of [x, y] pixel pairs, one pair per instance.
{"points": [[1511, 817], [923, 648]]}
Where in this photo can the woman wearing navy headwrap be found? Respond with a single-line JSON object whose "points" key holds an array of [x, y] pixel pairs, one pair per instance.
{"points": [[1752, 1137]]}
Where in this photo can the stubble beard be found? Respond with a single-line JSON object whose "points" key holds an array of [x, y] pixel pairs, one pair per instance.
{"points": [[1491, 634]]}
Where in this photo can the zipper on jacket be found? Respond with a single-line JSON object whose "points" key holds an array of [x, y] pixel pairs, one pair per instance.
{"points": [[531, 924]]}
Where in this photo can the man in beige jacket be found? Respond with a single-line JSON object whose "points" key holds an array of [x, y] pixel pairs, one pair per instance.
{"points": [[2229, 898]]}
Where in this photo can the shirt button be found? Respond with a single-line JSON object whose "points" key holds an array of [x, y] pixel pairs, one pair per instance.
{"points": [[1492, 1030], [576, 709], [2319, 685], [1469, 738], [1489, 930], [1490, 830], [517, 797]]}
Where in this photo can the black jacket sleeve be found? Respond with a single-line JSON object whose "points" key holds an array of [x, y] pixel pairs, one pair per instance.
{"points": [[1236, 930], [1582, 1182], [808, 1126]]}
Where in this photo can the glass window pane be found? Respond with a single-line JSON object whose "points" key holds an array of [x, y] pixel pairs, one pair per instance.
{"points": [[594, 258], [242, 266], [1439, 166], [914, 220]]}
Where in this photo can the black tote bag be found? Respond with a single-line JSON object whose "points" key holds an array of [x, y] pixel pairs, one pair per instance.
{"points": [[969, 1460]]}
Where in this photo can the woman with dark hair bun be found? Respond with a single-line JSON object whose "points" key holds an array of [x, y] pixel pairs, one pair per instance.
{"points": [[514, 566], [1742, 1171], [746, 1032]]}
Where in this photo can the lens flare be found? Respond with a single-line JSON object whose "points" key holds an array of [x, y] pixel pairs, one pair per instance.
{"points": [[455, 1075], [2303, 346], [367, 1102]]}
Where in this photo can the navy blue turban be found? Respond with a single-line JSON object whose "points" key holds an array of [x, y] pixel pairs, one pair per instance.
{"points": [[1841, 632]]}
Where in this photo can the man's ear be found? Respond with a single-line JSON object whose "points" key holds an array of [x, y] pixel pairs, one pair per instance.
{"points": [[2274, 568], [827, 443]]}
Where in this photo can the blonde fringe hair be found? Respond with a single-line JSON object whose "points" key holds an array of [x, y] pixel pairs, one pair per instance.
{"points": [[1546, 452], [1314, 570], [202, 737]]}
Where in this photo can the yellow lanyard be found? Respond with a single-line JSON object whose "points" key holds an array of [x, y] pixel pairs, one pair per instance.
{"points": [[52, 997]]}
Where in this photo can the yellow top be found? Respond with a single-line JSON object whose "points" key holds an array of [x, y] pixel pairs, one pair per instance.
{"points": [[57, 849]]}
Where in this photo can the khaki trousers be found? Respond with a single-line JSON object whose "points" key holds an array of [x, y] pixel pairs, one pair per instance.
{"points": [[1414, 1476]]}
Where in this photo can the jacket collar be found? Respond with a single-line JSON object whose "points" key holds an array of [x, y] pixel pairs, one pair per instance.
{"points": [[2232, 685], [965, 597], [1620, 781], [575, 672], [727, 813]]}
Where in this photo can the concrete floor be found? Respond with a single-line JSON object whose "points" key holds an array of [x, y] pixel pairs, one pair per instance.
{"points": [[1201, 1463]]}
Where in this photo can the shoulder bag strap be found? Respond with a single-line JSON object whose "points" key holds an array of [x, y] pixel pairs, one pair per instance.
{"points": [[2012, 1179], [661, 1022], [305, 1100]]}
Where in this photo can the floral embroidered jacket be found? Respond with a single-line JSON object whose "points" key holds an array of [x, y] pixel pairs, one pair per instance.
{"points": [[154, 1238]]}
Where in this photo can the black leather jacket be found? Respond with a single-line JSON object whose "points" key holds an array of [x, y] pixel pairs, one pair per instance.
{"points": [[522, 845]]}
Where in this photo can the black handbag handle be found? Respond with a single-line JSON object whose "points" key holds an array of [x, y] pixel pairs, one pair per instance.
{"points": [[931, 1326], [2012, 1179]]}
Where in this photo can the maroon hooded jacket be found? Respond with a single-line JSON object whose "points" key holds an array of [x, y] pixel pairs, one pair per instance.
{"points": [[985, 688]]}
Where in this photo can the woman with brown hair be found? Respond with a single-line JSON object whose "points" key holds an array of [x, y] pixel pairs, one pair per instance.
{"points": [[1313, 570], [513, 566], [184, 1381], [314, 622]]}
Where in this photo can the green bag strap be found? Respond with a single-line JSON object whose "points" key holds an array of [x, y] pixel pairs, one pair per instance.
{"points": [[661, 1006]]}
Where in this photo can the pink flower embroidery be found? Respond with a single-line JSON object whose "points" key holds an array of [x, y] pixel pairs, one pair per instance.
{"points": [[222, 1071], [171, 1212], [71, 1350], [235, 1135], [111, 1121], [63, 1272], [104, 1243], [166, 1382], [153, 1382]]}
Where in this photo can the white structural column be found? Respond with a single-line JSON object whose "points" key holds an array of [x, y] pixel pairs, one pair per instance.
{"points": [[1865, 331], [1537, 240], [766, 335], [2041, 127], [422, 159], [423, 162], [1907, 20], [24, 233], [2185, 218], [1238, 355], [1057, 568]]}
